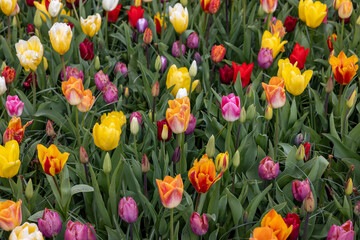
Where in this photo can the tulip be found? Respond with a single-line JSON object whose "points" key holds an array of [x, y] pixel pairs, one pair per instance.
{"points": [[245, 71], [300, 189], [345, 9], [109, 5], [101, 80], [352, 99], [277, 27], [275, 92], [50, 129], [73, 90], [170, 191], [307, 147], [51, 159], [180, 78], [357, 209], [349, 187], [331, 38], [312, 13], [9, 74], [299, 139], [87, 101], [203, 175], [114, 14], [15, 131], [193, 41], [175, 50], [344, 232], [30, 53], [148, 37], [214, 6], [79, 231], [128, 210], [222, 162], [290, 23], [60, 37], [163, 131], [72, 72], [28, 83], [159, 23], [272, 41], [10, 214], [163, 64], [268, 169], [30, 3], [50, 224], [178, 114], [217, 53], [54, 8], [309, 203], [226, 74], [110, 94], [30, 29], [230, 107], [299, 55], [268, 113], [263, 233], [91, 25], [265, 58], [344, 68], [135, 14], [300, 153], [9, 159], [86, 50], [26, 231], [292, 219], [274, 221], [197, 58], [179, 17], [269, 6], [120, 68], [191, 126], [134, 126], [2, 85], [141, 25], [205, 5], [14, 106], [8, 6], [337, 3], [145, 165], [199, 225], [181, 93], [155, 90]]}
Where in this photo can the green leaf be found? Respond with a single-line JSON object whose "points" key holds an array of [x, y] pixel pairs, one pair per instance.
{"points": [[80, 188]]}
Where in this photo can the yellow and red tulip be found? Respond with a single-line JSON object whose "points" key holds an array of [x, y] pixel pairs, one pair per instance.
{"points": [[51, 159], [14, 130], [344, 68]]}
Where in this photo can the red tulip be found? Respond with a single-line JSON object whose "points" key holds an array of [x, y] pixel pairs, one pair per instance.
{"points": [[30, 29], [294, 220], [86, 50], [114, 14], [307, 147], [226, 74], [290, 23], [245, 72], [299, 55], [29, 80], [135, 14]]}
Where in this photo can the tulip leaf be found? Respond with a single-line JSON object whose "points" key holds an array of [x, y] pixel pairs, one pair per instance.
{"points": [[253, 206], [81, 188], [235, 206]]}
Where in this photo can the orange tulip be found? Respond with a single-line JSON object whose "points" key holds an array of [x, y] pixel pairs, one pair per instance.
{"points": [[202, 175], [15, 131], [10, 215], [218, 53], [170, 190], [51, 159], [274, 221], [275, 92], [178, 114], [87, 101], [344, 68], [277, 27], [73, 90], [263, 233]]}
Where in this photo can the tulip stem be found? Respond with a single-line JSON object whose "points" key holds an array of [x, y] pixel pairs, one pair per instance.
{"points": [[237, 137], [182, 137], [197, 201], [326, 104], [344, 125], [147, 56], [227, 17], [135, 148], [163, 25], [148, 4], [340, 93], [180, 47], [228, 138], [233, 182], [63, 64], [34, 89], [306, 225], [77, 126], [208, 30], [212, 73], [276, 133], [86, 172], [172, 224], [244, 16], [56, 184], [106, 27], [267, 23], [154, 107], [9, 30], [145, 184], [131, 231], [74, 9], [342, 33]]}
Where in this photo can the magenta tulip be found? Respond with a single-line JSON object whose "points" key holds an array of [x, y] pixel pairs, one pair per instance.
{"points": [[268, 169], [79, 231], [101, 80], [300, 189], [128, 210], [14, 106], [265, 58], [110, 93], [121, 68], [72, 72], [343, 232], [191, 126], [50, 224], [199, 225], [230, 107]]}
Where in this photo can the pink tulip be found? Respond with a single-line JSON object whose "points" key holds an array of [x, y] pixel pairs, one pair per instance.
{"points": [[268, 169], [110, 94], [72, 72], [14, 106], [300, 189], [230, 107], [50, 224], [128, 210], [121, 68], [79, 231], [343, 232], [199, 225], [101, 80]]}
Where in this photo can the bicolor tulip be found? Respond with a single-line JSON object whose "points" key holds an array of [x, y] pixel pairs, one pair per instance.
{"points": [[222, 162], [72, 72], [170, 191], [179, 78], [135, 14], [300, 189], [9, 159], [159, 23], [128, 210], [203, 174], [337, 3], [230, 107], [109, 5], [268, 169], [277, 27], [217, 53], [8, 6], [292, 219], [163, 130], [343, 232], [263, 233], [10, 214], [273, 41], [344, 68], [141, 25], [73, 90], [274, 221], [330, 40], [179, 17], [120, 68], [87, 101], [9, 74], [299, 55], [101, 80], [312, 13], [60, 37], [14, 106], [30, 53], [51, 159], [91, 25], [178, 114], [14, 130], [269, 6], [79, 231], [50, 223], [43, 9], [199, 224], [26, 231], [345, 9], [54, 8], [275, 92]]}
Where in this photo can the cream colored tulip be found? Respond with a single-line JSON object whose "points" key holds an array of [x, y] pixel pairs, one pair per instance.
{"points": [[60, 37], [179, 17], [8, 6], [25, 232], [91, 25], [30, 53]]}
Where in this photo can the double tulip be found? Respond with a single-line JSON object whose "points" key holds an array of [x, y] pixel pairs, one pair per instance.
{"points": [[170, 191], [179, 17], [268, 169], [312, 13], [345, 231], [73, 90], [300, 189], [290, 23], [273, 41], [344, 68], [26, 231], [226, 74], [178, 114], [278, 27], [60, 37], [79, 231], [87, 101], [14, 130], [179, 78], [275, 92], [9, 159], [9, 74], [30, 53], [50, 224], [51, 159], [91, 25], [199, 224], [10, 215]]}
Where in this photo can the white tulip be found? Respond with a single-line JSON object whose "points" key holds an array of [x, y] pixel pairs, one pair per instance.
{"points": [[109, 5], [181, 93], [2, 85], [54, 8]]}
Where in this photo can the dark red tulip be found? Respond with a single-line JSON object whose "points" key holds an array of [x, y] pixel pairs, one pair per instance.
{"points": [[226, 74], [294, 220], [290, 23], [86, 50]]}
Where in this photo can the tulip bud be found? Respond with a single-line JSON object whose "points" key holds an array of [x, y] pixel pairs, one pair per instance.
{"points": [[349, 187], [163, 64], [263, 96], [121, 68], [128, 210], [249, 92], [242, 118], [260, 12], [197, 58], [358, 21], [30, 29], [137, 3], [158, 63], [155, 89], [107, 164], [148, 37], [236, 159], [176, 155], [134, 126], [141, 25], [127, 92], [184, 2], [50, 129], [199, 225], [145, 165], [222, 162], [193, 41], [352, 99], [83, 155], [299, 139], [29, 190], [3, 65], [250, 113], [165, 132], [37, 19], [14, 23], [2, 85], [300, 153], [309, 203], [210, 147], [268, 169], [97, 63], [191, 126], [54, 8], [50, 224], [175, 50], [193, 69], [181, 93], [268, 113], [329, 85], [357, 208]]}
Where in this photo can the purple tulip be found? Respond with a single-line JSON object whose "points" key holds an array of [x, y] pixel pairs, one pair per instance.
{"points": [[191, 126], [300, 189], [268, 169], [110, 94], [101, 80], [230, 107], [197, 58], [79, 231], [128, 210], [265, 58], [72, 72], [199, 225], [50, 224], [163, 64], [141, 25], [137, 115], [121, 67], [193, 41], [176, 49], [343, 232], [14, 106]]}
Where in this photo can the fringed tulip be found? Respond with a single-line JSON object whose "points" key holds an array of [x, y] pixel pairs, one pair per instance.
{"points": [[51, 159], [230, 107], [275, 92], [170, 191], [178, 114], [10, 214]]}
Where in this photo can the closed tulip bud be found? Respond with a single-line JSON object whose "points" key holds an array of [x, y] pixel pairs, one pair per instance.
{"points": [[128, 210], [236, 159], [46, 65], [299, 139], [165, 132], [357, 209], [263, 96], [141, 25], [50, 129], [193, 41], [163, 64], [329, 85], [50, 224], [83, 155], [242, 118], [134, 126], [155, 89], [309, 203], [145, 165], [137, 3], [217, 53], [126, 92], [37, 19], [199, 225], [148, 37], [175, 50], [97, 63], [349, 187], [193, 69], [352, 99], [176, 154], [197, 58], [222, 162], [345, 9], [107, 164], [29, 190], [210, 147], [109, 5], [249, 92], [184, 2], [300, 153], [54, 8], [250, 113], [158, 63], [268, 113]]}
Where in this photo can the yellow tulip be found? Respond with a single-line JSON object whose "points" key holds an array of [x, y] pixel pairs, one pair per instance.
{"points": [[345, 9], [9, 159], [60, 37], [8, 6], [272, 41], [312, 13], [30, 53], [180, 78], [91, 25], [337, 3], [179, 17]]}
